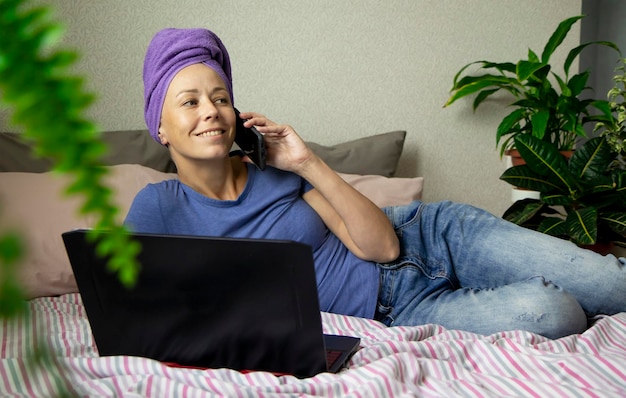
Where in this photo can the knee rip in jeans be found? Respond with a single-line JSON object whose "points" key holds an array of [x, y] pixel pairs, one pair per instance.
{"points": [[530, 317], [543, 280]]}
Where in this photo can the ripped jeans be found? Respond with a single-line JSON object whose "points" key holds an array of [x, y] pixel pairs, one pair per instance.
{"points": [[464, 268]]}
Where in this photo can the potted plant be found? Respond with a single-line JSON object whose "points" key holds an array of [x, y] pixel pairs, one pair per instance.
{"points": [[48, 102], [582, 199], [614, 129], [545, 104]]}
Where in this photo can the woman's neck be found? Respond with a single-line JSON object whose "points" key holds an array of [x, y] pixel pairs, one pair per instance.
{"points": [[224, 180]]}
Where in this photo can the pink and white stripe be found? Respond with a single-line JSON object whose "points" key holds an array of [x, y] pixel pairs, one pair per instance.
{"points": [[427, 361]]}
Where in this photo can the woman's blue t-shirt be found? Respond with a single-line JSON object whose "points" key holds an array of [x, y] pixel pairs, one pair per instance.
{"points": [[270, 207]]}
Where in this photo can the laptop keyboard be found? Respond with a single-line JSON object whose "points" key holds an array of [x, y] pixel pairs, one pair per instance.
{"points": [[331, 357]]}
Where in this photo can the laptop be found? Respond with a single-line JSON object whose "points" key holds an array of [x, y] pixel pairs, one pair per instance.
{"points": [[207, 302]]}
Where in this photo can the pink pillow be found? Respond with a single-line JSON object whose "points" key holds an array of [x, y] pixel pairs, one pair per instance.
{"points": [[387, 191], [34, 205]]}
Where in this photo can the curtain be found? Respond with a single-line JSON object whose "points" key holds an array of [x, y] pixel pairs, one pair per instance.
{"points": [[606, 21]]}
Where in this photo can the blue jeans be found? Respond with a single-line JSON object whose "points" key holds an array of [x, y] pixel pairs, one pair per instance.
{"points": [[464, 268]]}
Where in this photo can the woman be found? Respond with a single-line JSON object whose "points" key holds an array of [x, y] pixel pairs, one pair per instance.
{"points": [[443, 263]]}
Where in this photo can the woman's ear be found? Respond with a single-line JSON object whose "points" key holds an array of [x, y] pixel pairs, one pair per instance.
{"points": [[163, 137]]}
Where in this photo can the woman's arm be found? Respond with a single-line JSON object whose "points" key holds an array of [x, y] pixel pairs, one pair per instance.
{"points": [[359, 223], [356, 221]]}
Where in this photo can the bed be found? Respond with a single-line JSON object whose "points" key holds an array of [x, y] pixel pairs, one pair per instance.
{"points": [[50, 350], [427, 361]]}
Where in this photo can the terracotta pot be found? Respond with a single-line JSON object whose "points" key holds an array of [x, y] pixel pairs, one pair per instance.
{"points": [[517, 160]]}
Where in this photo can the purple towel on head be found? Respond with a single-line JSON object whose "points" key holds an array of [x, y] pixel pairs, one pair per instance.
{"points": [[170, 51]]}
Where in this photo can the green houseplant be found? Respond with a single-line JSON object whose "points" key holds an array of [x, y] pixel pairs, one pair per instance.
{"points": [[582, 199], [48, 102], [614, 129], [545, 104]]}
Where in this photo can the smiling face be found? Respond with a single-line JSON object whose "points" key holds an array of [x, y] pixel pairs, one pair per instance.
{"points": [[197, 120]]}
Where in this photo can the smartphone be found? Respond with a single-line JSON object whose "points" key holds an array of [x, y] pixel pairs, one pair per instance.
{"points": [[251, 143]]}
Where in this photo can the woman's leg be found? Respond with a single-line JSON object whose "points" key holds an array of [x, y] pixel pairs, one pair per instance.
{"points": [[533, 305], [465, 252], [487, 251]]}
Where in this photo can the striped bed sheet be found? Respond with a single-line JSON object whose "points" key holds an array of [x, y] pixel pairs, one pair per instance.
{"points": [[424, 361]]}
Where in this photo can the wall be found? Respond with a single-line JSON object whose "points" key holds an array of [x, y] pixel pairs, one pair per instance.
{"points": [[336, 70]]}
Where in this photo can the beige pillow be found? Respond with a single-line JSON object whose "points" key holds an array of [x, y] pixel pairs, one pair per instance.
{"points": [[34, 204], [387, 191]]}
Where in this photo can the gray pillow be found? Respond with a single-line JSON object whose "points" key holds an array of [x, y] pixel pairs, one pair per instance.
{"points": [[137, 147], [15, 155], [376, 154], [373, 155], [125, 147]]}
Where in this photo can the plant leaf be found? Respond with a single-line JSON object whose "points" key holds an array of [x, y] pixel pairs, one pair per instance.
{"points": [[500, 66], [557, 37], [556, 199], [592, 159], [616, 221], [554, 226], [604, 107], [522, 211], [483, 95], [565, 90], [619, 181], [455, 80], [545, 160], [571, 56], [582, 225], [524, 177], [539, 121], [577, 83], [508, 122], [476, 84], [525, 69]]}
